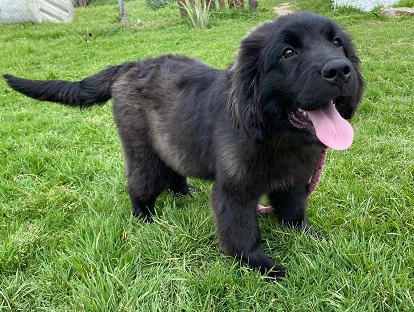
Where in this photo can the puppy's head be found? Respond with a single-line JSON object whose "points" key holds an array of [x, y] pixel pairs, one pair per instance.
{"points": [[284, 69]]}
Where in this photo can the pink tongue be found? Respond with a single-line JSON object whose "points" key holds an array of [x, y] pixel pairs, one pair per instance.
{"points": [[331, 129]]}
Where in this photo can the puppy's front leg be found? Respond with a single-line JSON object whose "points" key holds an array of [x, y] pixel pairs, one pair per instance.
{"points": [[290, 206], [238, 230]]}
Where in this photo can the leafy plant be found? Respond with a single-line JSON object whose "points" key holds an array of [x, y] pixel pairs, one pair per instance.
{"points": [[198, 12]]}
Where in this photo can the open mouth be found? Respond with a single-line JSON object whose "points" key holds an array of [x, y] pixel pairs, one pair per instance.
{"points": [[326, 124], [299, 119]]}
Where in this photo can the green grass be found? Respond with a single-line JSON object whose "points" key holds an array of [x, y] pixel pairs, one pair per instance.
{"points": [[68, 241]]}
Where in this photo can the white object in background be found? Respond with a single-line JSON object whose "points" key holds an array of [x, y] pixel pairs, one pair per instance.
{"points": [[15, 11], [364, 5]]}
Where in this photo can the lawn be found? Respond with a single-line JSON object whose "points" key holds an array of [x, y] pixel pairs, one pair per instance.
{"points": [[68, 241]]}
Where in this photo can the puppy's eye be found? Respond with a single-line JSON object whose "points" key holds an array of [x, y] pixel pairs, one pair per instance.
{"points": [[288, 53], [337, 42]]}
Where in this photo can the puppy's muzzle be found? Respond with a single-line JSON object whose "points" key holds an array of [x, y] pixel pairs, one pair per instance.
{"points": [[337, 71]]}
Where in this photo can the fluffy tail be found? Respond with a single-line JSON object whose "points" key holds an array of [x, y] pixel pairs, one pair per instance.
{"points": [[87, 92]]}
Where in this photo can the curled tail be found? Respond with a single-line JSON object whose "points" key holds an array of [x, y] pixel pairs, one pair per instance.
{"points": [[91, 90]]}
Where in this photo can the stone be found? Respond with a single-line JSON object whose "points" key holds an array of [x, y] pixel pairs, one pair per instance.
{"points": [[395, 12]]}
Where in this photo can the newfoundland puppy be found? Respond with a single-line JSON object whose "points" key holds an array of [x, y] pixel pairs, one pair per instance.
{"points": [[258, 127]]}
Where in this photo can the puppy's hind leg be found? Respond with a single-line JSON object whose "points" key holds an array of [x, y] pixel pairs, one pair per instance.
{"points": [[147, 177], [238, 230]]}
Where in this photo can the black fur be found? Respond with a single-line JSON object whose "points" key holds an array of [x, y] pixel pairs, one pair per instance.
{"points": [[178, 117]]}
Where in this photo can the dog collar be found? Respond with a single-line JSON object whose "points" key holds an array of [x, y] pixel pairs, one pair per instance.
{"points": [[317, 173]]}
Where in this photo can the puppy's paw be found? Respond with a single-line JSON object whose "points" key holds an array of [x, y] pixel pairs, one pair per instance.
{"points": [[187, 190], [304, 227], [275, 274], [259, 260], [144, 217]]}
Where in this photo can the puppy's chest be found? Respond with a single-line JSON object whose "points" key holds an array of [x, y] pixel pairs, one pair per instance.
{"points": [[269, 169], [285, 170]]}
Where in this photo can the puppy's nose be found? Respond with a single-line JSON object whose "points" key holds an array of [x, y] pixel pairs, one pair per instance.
{"points": [[337, 71]]}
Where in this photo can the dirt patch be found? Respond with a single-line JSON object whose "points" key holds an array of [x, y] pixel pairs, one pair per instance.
{"points": [[284, 8]]}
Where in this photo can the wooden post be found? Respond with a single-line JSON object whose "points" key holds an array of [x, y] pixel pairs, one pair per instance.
{"points": [[221, 4], [253, 4], [122, 9]]}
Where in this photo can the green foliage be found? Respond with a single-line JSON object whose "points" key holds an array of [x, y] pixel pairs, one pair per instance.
{"points": [[157, 4], [68, 241], [198, 13], [317, 6], [81, 3], [405, 3]]}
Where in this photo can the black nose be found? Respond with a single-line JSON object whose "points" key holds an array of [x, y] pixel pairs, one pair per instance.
{"points": [[337, 71]]}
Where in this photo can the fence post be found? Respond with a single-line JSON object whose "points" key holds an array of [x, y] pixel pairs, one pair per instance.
{"points": [[122, 9]]}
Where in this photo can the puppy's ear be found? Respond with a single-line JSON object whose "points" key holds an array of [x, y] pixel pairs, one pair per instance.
{"points": [[348, 107], [244, 75]]}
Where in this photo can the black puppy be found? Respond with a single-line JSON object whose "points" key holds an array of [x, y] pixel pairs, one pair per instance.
{"points": [[256, 128]]}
